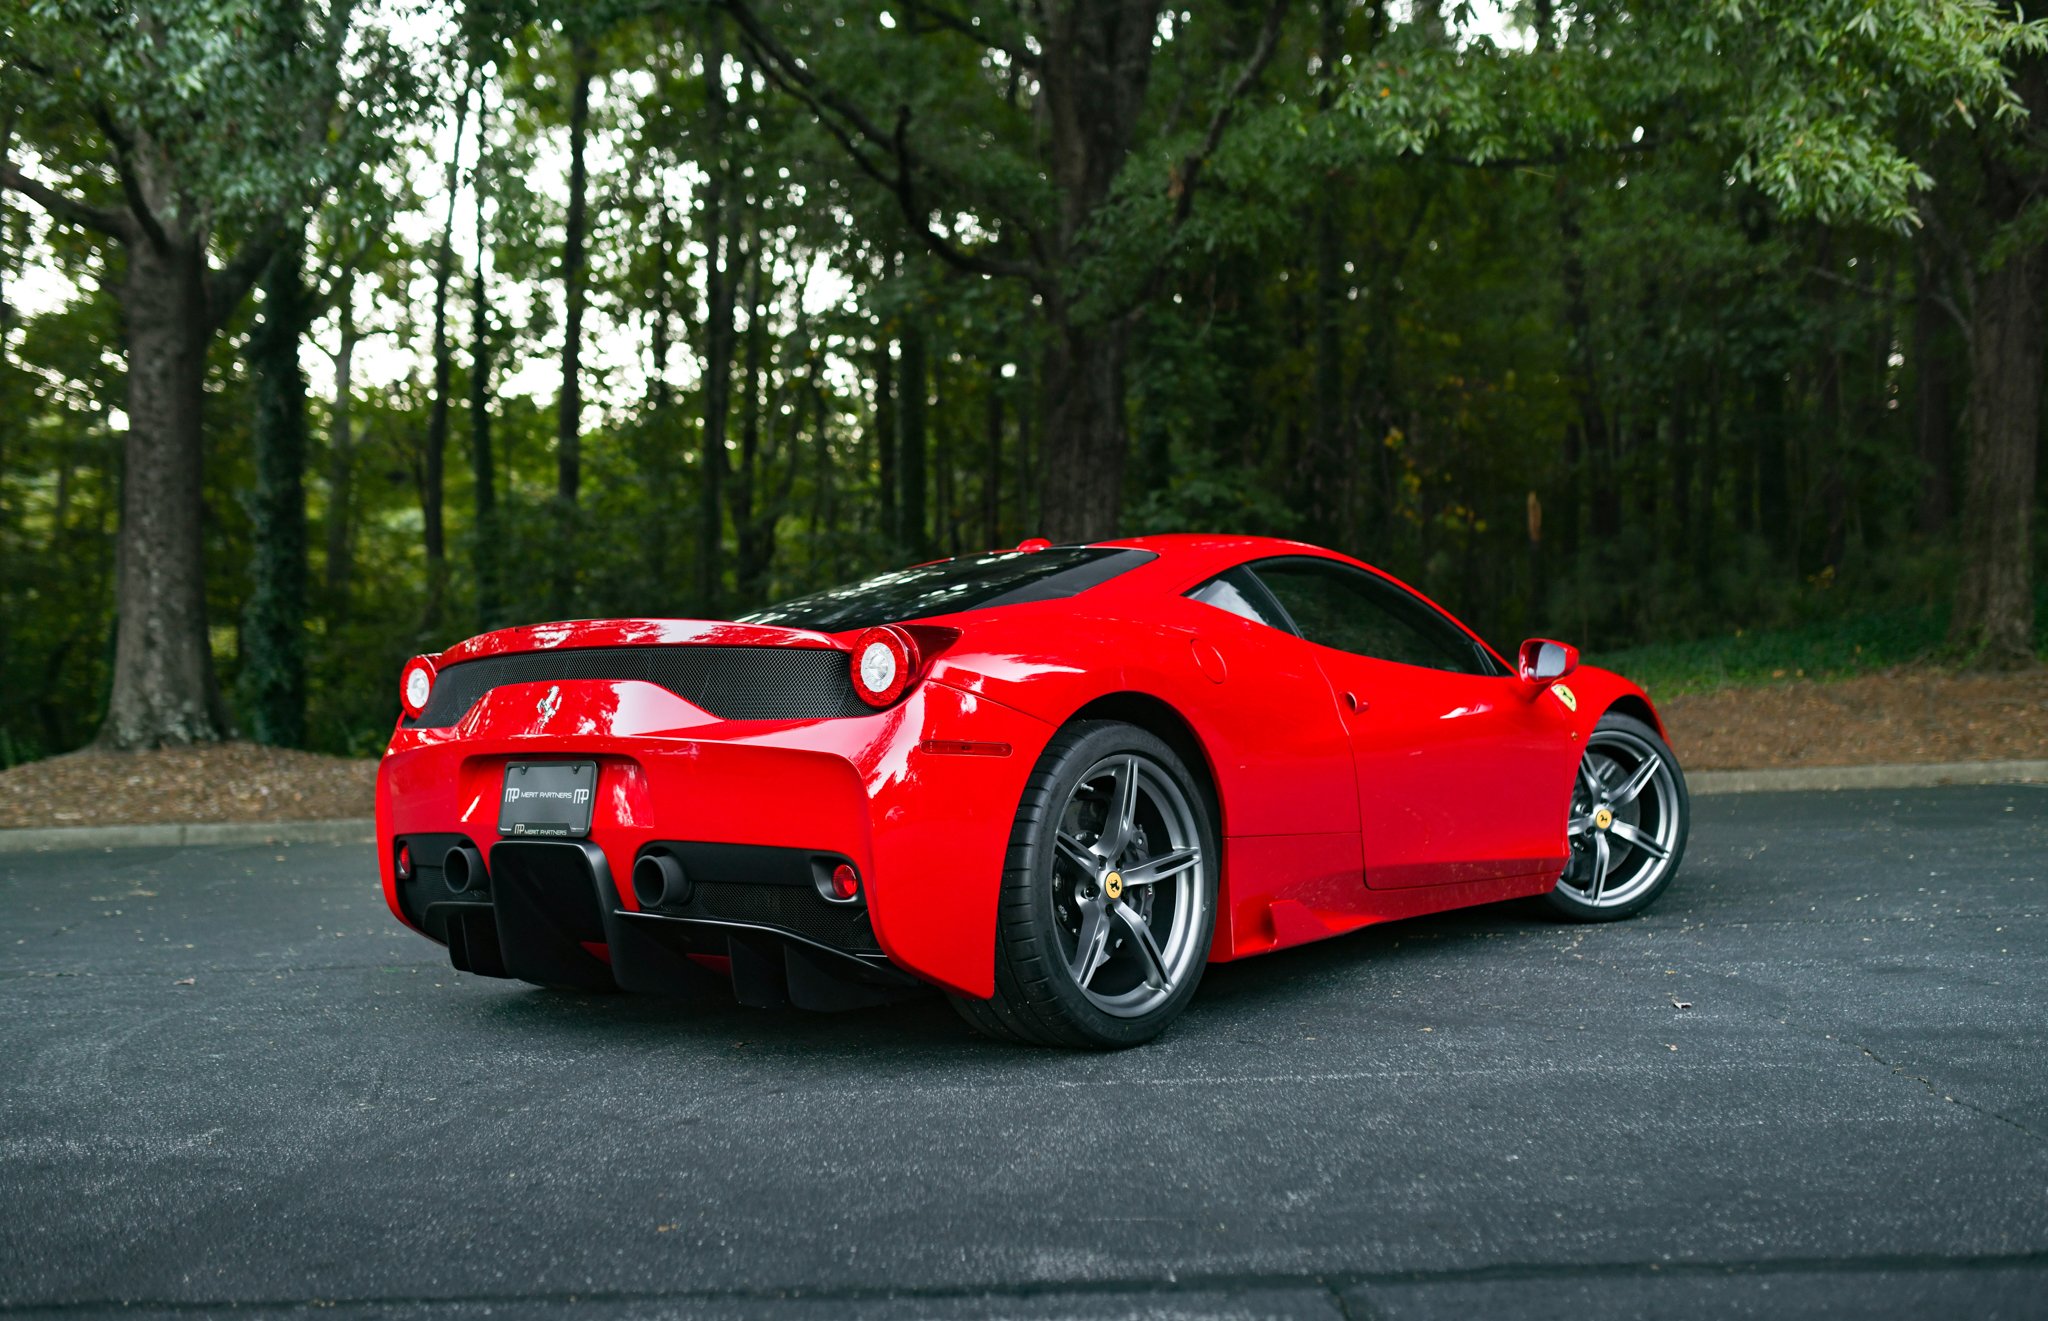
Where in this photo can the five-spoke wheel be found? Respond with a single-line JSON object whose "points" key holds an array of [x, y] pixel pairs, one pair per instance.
{"points": [[1108, 899], [1627, 825], [1127, 872]]}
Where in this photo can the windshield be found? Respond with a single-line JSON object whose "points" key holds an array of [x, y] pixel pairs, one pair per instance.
{"points": [[971, 582]]}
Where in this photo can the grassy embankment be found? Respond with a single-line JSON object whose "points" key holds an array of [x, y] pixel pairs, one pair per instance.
{"points": [[1834, 649]]}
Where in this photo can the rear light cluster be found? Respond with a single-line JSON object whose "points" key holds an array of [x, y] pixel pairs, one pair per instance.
{"points": [[416, 685], [884, 662]]}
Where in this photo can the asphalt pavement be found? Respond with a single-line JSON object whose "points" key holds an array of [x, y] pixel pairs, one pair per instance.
{"points": [[1812, 1082]]}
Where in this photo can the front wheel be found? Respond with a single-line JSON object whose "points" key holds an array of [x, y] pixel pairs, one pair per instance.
{"points": [[1629, 818], [1109, 894]]}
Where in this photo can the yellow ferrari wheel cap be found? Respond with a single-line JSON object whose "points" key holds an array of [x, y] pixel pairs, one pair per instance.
{"points": [[1603, 818], [1113, 885]]}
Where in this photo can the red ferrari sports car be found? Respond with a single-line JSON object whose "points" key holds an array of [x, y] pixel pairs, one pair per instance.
{"points": [[1054, 782]]}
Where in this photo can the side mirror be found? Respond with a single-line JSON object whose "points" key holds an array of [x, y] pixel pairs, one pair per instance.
{"points": [[1543, 662]]}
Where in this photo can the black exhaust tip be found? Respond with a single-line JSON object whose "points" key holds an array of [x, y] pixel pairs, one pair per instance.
{"points": [[658, 881], [463, 869]]}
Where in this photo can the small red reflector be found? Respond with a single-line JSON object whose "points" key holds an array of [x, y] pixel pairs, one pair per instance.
{"points": [[953, 747], [845, 881], [404, 866]]}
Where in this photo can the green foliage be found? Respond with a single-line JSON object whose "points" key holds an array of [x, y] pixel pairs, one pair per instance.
{"points": [[1832, 648], [239, 108], [1625, 325], [1803, 98]]}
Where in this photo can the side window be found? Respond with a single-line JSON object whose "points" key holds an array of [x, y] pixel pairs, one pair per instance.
{"points": [[1236, 592], [1339, 606]]}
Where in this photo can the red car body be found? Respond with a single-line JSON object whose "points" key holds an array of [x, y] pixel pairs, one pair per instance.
{"points": [[1347, 790]]}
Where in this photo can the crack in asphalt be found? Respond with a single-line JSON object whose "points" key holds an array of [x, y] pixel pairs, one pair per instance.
{"points": [[1899, 1070], [1336, 1285]]}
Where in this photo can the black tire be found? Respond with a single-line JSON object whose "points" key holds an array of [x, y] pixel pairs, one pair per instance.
{"points": [[1660, 812], [1038, 998]]}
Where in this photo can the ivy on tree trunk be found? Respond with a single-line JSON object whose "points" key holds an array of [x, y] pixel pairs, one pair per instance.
{"points": [[273, 677]]}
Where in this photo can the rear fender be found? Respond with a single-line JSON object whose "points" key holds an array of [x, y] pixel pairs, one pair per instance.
{"points": [[943, 803]]}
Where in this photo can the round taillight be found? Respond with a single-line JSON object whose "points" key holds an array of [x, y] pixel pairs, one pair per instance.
{"points": [[845, 883], [884, 661], [416, 685], [1032, 545]]}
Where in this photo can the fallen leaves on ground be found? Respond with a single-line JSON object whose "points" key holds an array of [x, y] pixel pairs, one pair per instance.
{"points": [[1903, 715], [222, 782]]}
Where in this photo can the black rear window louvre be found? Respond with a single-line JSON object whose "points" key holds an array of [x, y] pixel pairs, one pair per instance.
{"points": [[732, 683]]}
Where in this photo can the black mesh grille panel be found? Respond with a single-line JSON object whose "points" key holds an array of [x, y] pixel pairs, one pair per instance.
{"points": [[732, 683], [803, 911]]}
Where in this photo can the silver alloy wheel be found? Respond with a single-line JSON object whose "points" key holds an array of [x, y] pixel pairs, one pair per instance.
{"points": [[1128, 882], [1624, 820]]}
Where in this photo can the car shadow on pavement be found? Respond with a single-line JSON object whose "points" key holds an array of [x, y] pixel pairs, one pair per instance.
{"points": [[927, 1025]]}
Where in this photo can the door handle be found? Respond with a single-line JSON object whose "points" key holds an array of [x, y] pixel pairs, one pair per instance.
{"points": [[1353, 702]]}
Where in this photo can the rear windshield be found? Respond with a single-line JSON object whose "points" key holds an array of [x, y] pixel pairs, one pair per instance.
{"points": [[972, 582]]}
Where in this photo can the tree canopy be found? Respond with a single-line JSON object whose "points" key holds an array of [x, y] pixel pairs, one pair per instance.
{"points": [[1609, 320]]}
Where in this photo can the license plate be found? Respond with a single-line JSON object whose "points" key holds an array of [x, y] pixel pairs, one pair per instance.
{"points": [[551, 798]]}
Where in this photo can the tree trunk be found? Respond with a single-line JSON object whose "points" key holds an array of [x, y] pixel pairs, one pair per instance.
{"points": [[1095, 70], [273, 678], [992, 464], [661, 465], [1773, 462], [164, 693], [1327, 469], [1994, 607], [753, 534], [339, 532], [1680, 443], [885, 442], [575, 278], [433, 482], [1592, 466], [1028, 511], [721, 282], [485, 549], [1934, 415], [1705, 541], [1081, 454], [945, 466], [912, 411], [6, 325]]}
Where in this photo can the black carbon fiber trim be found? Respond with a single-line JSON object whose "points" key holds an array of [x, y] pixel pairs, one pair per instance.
{"points": [[804, 911], [768, 886], [732, 683]]}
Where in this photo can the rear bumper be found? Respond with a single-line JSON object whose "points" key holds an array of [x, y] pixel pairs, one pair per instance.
{"points": [[552, 913], [925, 829]]}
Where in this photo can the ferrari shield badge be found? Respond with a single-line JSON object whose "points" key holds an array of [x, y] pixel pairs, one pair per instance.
{"points": [[1565, 695]]}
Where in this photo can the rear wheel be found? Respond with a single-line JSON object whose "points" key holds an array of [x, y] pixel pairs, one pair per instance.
{"points": [[1109, 894], [1629, 818]]}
